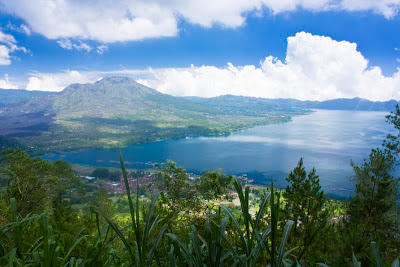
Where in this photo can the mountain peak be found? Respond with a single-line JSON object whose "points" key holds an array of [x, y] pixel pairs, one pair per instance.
{"points": [[115, 80]]}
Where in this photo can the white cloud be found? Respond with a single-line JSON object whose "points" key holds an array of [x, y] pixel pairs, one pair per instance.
{"points": [[55, 81], [6, 84], [315, 68], [82, 46], [21, 28], [120, 20], [25, 29], [8, 45], [100, 49], [7, 38], [144, 82], [387, 8], [5, 58], [67, 44]]}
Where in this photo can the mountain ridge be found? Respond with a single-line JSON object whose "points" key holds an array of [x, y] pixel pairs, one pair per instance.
{"points": [[18, 96], [117, 111]]}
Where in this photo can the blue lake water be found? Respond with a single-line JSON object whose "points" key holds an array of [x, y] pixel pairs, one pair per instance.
{"points": [[327, 140]]}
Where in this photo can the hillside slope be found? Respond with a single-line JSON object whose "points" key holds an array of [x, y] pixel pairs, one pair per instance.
{"points": [[115, 112], [14, 96]]}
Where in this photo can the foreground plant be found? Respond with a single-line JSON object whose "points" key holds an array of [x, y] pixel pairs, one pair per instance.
{"points": [[142, 250]]}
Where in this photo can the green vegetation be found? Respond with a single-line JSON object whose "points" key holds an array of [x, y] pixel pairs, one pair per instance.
{"points": [[306, 204], [15, 96], [105, 173], [116, 112], [393, 141], [194, 222]]}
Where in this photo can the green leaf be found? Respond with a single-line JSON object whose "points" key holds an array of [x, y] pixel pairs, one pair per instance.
{"points": [[119, 233], [285, 236], [377, 255], [355, 262]]}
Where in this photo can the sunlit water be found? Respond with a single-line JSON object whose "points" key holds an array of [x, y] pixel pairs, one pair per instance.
{"points": [[327, 140]]}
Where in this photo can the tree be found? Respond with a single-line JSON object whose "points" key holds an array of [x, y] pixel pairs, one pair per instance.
{"points": [[372, 211], [180, 195], [34, 182], [102, 173], [104, 203], [392, 142], [304, 202], [213, 185], [115, 175]]}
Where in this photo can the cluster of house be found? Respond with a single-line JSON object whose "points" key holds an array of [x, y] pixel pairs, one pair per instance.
{"points": [[245, 179], [146, 183]]}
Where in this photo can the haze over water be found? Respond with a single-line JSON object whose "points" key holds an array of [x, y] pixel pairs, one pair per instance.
{"points": [[327, 140]]}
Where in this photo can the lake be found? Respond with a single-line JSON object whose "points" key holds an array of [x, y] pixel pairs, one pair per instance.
{"points": [[327, 140]]}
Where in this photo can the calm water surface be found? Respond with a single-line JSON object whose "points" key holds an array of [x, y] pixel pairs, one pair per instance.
{"points": [[327, 140]]}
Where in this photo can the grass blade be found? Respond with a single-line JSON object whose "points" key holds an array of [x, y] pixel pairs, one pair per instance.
{"points": [[376, 254], [119, 233], [285, 236]]}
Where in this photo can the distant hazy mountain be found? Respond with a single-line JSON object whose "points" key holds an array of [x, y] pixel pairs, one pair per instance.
{"points": [[115, 111], [254, 104], [14, 96]]}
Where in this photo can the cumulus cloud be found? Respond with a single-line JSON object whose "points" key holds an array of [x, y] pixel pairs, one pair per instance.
{"points": [[120, 20], [315, 68], [56, 81], [8, 44], [6, 84]]}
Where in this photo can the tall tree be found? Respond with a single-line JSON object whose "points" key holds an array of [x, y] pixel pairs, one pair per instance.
{"points": [[392, 142], [214, 185], [34, 182], [372, 211], [304, 202], [180, 195]]}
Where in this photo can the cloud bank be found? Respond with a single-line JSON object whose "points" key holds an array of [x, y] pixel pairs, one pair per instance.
{"points": [[315, 68], [121, 20], [6, 84], [56, 81]]}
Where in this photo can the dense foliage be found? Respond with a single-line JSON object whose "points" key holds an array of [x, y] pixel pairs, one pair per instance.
{"points": [[185, 226]]}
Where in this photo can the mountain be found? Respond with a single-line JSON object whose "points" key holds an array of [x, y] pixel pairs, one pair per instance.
{"points": [[115, 112], [255, 104], [14, 96]]}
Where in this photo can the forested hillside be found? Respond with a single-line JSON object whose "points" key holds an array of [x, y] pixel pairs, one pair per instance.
{"points": [[15, 96], [115, 112]]}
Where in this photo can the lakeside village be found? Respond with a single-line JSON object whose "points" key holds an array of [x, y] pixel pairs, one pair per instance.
{"points": [[146, 183], [146, 179], [116, 188]]}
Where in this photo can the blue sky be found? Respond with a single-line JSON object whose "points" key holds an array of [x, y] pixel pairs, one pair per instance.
{"points": [[337, 48]]}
